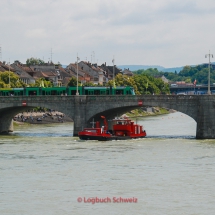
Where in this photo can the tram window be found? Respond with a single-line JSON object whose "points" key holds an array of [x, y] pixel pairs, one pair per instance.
{"points": [[32, 93], [91, 92], [97, 92], [119, 92], [53, 92], [72, 92]]}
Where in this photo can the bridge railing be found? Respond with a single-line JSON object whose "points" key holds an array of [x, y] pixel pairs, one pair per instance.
{"points": [[97, 98], [50, 99]]}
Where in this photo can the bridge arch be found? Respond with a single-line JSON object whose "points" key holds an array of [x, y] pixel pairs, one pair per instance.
{"points": [[21, 104], [115, 108]]}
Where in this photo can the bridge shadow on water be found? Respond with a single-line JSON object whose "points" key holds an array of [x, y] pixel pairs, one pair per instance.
{"points": [[171, 137], [175, 125], [44, 130]]}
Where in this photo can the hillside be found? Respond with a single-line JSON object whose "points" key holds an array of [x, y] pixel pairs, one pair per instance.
{"points": [[159, 68]]}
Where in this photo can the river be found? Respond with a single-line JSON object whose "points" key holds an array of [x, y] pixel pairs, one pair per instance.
{"points": [[45, 170]]}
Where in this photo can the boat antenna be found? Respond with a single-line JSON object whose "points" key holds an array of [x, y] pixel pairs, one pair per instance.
{"points": [[93, 123]]}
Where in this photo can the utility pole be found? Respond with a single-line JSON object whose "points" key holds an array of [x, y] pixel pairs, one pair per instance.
{"points": [[51, 55], [9, 73], [114, 85], [77, 93], [209, 56], [0, 54], [113, 61]]}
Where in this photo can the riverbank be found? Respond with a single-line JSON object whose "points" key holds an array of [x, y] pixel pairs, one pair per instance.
{"points": [[50, 117], [148, 111], [41, 117]]}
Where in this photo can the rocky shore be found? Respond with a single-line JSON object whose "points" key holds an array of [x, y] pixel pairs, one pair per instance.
{"points": [[148, 111], [41, 117]]}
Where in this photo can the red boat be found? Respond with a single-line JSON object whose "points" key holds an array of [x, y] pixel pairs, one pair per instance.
{"points": [[122, 129]]}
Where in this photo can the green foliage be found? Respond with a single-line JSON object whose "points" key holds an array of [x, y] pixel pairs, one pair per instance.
{"points": [[187, 74], [2, 84], [150, 71], [42, 83], [73, 82], [199, 72], [90, 84], [17, 61], [9, 79], [34, 61], [142, 84]]}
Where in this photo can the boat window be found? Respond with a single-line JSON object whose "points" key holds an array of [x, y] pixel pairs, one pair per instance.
{"points": [[88, 130]]}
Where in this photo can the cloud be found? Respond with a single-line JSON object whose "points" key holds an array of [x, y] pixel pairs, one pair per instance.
{"points": [[36, 33], [167, 29]]}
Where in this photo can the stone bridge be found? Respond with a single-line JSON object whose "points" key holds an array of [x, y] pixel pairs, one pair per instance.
{"points": [[82, 109]]}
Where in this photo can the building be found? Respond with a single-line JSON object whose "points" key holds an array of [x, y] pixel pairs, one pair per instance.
{"points": [[83, 76], [127, 72], [21, 71], [51, 72]]}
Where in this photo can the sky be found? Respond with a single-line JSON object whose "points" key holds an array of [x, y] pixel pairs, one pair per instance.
{"points": [[168, 33]]}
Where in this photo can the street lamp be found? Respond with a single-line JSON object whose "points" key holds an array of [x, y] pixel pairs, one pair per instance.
{"points": [[209, 55], [9, 73], [113, 61], [113, 67], [77, 93]]}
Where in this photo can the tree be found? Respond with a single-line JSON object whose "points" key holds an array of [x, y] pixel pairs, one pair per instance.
{"points": [[34, 61], [2, 84], [122, 80], [73, 82], [9, 79], [17, 61], [42, 83], [89, 84]]}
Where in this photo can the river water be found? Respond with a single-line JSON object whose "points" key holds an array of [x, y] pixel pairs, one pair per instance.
{"points": [[45, 170]]}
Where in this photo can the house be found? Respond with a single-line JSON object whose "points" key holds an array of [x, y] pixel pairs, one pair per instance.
{"points": [[90, 69], [5, 67], [127, 72], [24, 76], [101, 74], [83, 76], [165, 80], [54, 73], [110, 69]]}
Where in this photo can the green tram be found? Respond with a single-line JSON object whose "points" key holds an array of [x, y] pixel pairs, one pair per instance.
{"points": [[42, 91]]}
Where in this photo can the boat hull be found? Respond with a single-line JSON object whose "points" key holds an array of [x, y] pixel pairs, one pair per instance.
{"points": [[106, 138]]}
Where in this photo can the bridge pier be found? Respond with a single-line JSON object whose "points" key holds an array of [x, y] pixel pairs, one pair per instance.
{"points": [[6, 125], [206, 118], [79, 116]]}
